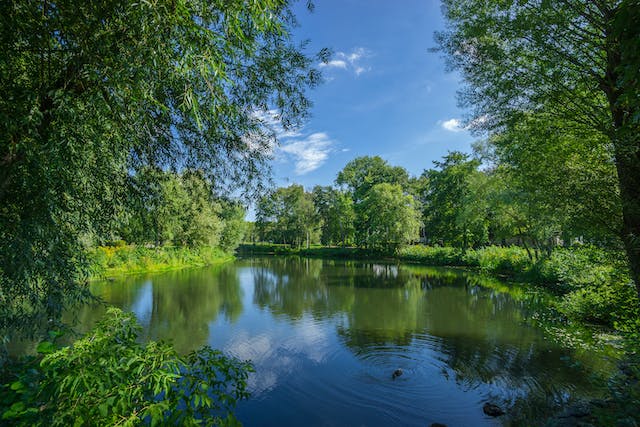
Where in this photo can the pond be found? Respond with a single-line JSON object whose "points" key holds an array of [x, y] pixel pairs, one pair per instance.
{"points": [[325, 337]]}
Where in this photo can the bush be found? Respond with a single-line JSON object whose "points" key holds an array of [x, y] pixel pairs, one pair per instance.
{"points": [[578, 267], [605, 303], [512, 261], [433, 255], [108, 378]]}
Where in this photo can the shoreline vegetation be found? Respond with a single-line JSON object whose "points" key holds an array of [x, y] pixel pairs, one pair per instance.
{"points": [[121, 259], [590, 285]]}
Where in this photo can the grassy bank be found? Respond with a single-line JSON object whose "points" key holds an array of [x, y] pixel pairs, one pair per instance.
{"points": [[109, 261], [592, 284]]}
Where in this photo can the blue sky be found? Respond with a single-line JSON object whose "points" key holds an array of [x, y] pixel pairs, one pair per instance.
{"points": [[385, 94]]}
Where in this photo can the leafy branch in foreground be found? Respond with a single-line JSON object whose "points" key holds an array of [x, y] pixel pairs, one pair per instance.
{"points": [[108, 378]]}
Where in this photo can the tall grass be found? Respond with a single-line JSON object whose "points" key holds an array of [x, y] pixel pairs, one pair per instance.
{"points": [[122, 259], [492, 259], [433, 255]]}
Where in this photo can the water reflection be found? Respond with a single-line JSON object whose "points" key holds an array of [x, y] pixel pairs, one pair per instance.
{"points": [[325, 335], [177, 305]]}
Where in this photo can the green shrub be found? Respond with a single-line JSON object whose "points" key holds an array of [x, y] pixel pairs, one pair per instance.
{"points": [[115, 260], [493, 259], [512, 260], [581, 266], [108, 378], [433, 255], [594, 304]]}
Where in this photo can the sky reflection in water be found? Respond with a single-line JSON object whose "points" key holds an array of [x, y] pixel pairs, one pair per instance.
{"points": [[325, 336]]}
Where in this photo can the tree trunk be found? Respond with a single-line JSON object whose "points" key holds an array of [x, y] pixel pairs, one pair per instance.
{"points": [[625, 136], [523, 243], [628, 167]]}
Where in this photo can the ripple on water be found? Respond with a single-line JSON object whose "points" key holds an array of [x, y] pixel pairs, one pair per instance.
{"points": [[425, 387]]}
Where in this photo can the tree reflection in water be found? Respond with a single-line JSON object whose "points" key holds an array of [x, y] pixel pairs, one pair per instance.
{"points": [[304, 321], [481, 333], [177, 305]]}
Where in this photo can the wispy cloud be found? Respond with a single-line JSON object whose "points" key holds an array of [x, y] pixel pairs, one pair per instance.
{"points": [[309, 153], [271, 119], [452, 125], [351, 61]]}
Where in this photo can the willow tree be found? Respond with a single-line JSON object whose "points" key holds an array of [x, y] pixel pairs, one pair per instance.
{"points": [[288, 215], [576, 58], [389, 219], [93, 91]]}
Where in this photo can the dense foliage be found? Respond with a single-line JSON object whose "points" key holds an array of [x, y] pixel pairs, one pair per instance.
{"points": [[119, 259], [288, 216], [374, 210], [180, 209], [335, 208], [100, 92], [565, 68], [387, 218], [108, 378], [454, 205]]}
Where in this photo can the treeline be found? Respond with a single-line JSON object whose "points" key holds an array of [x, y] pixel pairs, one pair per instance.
{"points": [[181, 209], [371, 209], [533, 194]]}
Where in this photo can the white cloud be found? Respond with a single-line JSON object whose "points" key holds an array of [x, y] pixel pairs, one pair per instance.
{"points": [[335, 63], [455, 125], [350, 61], [452, 125], [277, 354], [309, 153]]}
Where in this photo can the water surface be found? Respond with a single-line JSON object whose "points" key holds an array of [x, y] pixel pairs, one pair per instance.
{"points": [[325, 337]]}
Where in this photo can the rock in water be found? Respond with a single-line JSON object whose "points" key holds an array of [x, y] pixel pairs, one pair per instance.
{"points": [[492, 410], [438, 425], [396, 373]]}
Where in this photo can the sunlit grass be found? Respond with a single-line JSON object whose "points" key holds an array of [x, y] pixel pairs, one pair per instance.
{"points": [[109, 261]]}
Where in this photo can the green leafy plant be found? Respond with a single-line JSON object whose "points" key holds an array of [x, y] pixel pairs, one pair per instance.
{"points": [[108, 378]]}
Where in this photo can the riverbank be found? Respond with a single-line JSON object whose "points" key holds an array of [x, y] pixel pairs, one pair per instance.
{"points": [[591, 285], [113, 261]]}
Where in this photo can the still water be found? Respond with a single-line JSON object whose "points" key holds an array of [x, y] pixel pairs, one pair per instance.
{"points": [[325, 337]]}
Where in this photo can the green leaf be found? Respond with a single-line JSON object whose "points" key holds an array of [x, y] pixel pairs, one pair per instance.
{"points": [[46, 347], [17, 385], [55, 334], [104, 409]]}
